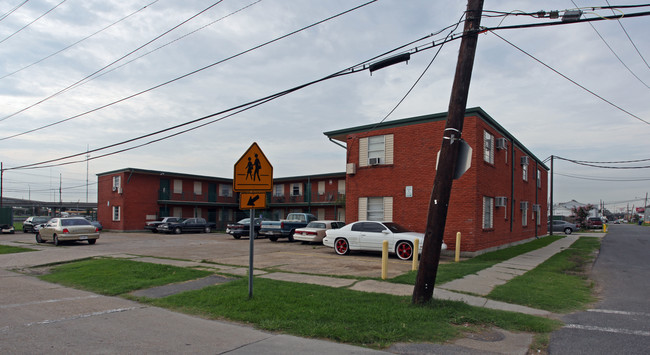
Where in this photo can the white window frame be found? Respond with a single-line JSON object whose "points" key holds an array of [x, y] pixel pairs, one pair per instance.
{"points": [[117, 182], [539, 179], [225, 190], [524, 171], [117, 213], [296, 186], [278, 190], [488, 147], [178, 186], [381, 147], [341, 188], [488, 212], [524, 214], [198, 188], [376, 209], [321, 188]]}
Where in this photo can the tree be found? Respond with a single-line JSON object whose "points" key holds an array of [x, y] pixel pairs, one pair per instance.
{"points": [[580, 214]]}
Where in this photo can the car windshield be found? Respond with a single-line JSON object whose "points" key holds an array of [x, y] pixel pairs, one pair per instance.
{"points": [[245, 221], [40, 219], [316, 225], [396, 228], [74, 222]]}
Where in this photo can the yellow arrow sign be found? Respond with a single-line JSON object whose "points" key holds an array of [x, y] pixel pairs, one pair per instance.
{"points": [[253, 172], [255, 201]]}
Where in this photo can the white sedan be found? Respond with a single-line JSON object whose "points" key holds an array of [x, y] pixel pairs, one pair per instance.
{"points": [[369, 235]]}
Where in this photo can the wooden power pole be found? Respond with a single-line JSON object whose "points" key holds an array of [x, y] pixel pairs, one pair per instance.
{"points": [[439, 203]]}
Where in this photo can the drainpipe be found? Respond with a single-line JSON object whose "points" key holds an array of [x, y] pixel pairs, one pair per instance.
{"points": [[512, 184]]}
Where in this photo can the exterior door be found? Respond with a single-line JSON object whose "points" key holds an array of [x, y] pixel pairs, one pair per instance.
{"points": [[164, 193]]}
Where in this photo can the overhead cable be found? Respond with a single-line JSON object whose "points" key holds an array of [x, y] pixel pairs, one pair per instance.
{"points": [[36, 19], [192, 72], [6, 14]]}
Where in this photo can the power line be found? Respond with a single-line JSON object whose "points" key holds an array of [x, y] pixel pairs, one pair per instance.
{"points": [[110, 64], [192, 72], [79, 41], [596, 164], [6, 14], [630, 39], [231, 112], [571, 80], [602, 179], [36, 19]]}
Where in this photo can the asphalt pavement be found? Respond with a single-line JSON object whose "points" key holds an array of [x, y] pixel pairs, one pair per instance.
{"points": [[36, 316]]}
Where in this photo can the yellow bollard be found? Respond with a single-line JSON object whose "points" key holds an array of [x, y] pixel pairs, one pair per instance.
{"points": [[416, 251], [457, 258], [604, 227], [384, 260]]}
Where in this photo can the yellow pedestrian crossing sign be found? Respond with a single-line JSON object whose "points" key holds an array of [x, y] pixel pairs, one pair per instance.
{"points": [[253, 172]]}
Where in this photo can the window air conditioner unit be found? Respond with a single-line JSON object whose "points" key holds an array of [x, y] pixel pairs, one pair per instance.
{"points": [[502, 143], [374, 161], [524, 160], [114, 188], [500, 201], [119, 190], [524, 205], [536, 208], [351, 168]]}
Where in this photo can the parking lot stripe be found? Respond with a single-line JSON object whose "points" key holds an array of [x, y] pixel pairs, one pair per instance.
{"points": [[608, 330]]}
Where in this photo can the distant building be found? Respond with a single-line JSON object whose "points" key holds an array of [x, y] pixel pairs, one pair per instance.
{"points": [[391, 166], [129, 197]]}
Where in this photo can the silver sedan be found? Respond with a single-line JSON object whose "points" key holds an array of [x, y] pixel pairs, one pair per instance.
{"points": [[62, 229]]}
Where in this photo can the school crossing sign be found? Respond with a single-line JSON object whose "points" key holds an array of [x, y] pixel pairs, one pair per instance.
{"points": [[253, 172]]}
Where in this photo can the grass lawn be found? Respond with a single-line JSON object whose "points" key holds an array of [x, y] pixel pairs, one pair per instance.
{"points": [[117, 276], [558, 285], [374, 320], [453, 271], [7, 249]]}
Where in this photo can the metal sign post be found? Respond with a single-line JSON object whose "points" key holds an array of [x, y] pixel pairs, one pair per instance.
{"points": [[253, 175]]}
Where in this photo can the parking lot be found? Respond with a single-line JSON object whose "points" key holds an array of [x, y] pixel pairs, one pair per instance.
{"points": [[223, 249]]}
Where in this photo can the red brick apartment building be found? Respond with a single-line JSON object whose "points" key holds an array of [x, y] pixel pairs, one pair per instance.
{"points": [[129, 197], [500, 200]]}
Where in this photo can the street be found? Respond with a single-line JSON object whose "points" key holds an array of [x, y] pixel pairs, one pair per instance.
{"points": [[620, 322]]}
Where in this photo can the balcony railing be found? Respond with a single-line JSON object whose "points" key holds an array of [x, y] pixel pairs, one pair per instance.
{"points": [[192, 197], [331, 198]]}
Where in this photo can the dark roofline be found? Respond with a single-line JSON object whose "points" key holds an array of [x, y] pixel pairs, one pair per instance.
{"points": [[228, 180], [341, 134]]}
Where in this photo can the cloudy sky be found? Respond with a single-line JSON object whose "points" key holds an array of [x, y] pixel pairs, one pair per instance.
{"points": [[87, 74]]}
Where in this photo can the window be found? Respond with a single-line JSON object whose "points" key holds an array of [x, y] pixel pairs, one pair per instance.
{"points": [[488, 212], [341, 189], [116, 213], [376, 208], [178, 186], [537, 214], [177, 212], [278, 190], [539, 179], [321, 187], [376, 150], [225, 190], [524, 213], [524, 171], [488, 147], [117, 183], [296, 189], [197, 188]]}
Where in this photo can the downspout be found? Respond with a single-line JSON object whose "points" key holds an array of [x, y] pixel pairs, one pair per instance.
{"points": [[512, 184], [339, 144], [539, 214]]}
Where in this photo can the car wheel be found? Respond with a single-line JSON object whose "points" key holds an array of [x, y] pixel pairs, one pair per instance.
{"points": [[404, 250], [208, 229], [38, 238], [154, 231], [341, 246], [236, 236], [178, 230], [92, 241], [291, 236], [273, 239], [56, 240], [568, 230]]}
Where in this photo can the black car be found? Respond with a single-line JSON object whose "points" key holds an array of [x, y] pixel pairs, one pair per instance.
{"points": [[242, 228], [31, 222]]}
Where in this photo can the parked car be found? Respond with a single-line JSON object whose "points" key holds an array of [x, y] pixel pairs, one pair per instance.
{"points": [[242, 228], [369, 235], [6, 228], [286, 227], [562, 226], [153, 225], [315, 231], [187, 225], [97, 224], [594, 222], [30, 222], [59, 229]]}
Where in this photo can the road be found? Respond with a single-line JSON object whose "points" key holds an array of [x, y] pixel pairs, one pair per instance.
{"points": [[38, 317], [620, 322]]}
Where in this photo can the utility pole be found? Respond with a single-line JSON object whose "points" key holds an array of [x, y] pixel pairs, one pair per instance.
{"points": [[2, 175], [439, 203], [551, 208]]}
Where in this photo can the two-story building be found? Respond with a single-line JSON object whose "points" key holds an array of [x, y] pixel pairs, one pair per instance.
{"points": [[500, 200], [129, 197]]}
